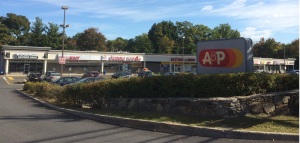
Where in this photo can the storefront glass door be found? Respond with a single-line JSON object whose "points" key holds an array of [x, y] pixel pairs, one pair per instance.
{"points": [[26, 68]]}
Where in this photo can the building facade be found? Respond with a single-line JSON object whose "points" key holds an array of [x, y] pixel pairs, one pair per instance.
{"points": [[25, 59]]}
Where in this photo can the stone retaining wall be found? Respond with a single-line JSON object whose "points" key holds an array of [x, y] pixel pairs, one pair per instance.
{"points": [[273, 104]]}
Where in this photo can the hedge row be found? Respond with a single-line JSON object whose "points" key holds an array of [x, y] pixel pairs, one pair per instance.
{"points": [[213, 85]]}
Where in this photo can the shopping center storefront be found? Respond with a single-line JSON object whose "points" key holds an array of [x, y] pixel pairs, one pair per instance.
{"points": [[25, 59]]}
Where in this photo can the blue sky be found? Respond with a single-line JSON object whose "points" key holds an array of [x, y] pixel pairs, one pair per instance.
{"points": [[278, 19]]}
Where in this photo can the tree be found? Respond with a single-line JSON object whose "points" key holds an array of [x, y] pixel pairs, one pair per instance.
{"points": [[164, 31], [53, 36], [292, 49], [131, 47], [296, 64], [189, 35], [5, 37], [142, 44], [91, 39], [167, 44], [72, 42], [267, 48], [18, 26], [110, 44], [224, 31], [202, 33], [37, 36], [120, 44]]}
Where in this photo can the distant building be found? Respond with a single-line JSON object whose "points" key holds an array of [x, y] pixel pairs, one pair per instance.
{"points": [[25, 59]]}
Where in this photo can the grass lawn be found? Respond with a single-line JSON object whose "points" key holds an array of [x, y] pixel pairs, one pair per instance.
{"points": [[261, 123]]}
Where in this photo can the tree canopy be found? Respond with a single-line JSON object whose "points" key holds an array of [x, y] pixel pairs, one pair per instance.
{"points": [[90, 40]]}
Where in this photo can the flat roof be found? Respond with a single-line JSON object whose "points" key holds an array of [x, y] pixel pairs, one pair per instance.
{"points": [[8, 47]]}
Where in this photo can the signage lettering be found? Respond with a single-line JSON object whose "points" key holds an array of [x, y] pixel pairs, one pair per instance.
{"points": [[71, 58], [118, 58], [230, 58], [27, 56]]}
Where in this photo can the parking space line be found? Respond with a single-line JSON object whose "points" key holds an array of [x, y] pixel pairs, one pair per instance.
{"points": [[6, 80], [10, 78]]}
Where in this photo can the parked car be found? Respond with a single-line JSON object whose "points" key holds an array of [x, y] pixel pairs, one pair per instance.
{"points": [[91, 74], [293, 72], [34, 77], [47, 74], [121, 75], [53, 76], [65, 80], [89, 80], [145, 73], [171, 73], [1, 72]]}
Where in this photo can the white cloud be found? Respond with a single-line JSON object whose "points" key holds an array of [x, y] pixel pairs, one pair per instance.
{"points": [[255, 35], [207, 8], [278, 15]]}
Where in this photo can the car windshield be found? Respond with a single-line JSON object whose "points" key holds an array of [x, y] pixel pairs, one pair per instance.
{"points": [[94, 72], [83, 80], [34, 75], [56, 80]]}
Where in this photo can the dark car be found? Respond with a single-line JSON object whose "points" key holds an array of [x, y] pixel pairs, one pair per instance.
{"points": [[293, 72], [91, 74], [89, 80], [1, 72], [34, 77], [66, 80], [145, 73], [121, 75]]}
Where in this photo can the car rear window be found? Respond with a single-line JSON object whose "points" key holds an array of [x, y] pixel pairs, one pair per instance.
{"points": [[34, 75], [55, 74]]}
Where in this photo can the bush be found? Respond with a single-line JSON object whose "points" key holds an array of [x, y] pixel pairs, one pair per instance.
{"points": [[185, 85], [43, 90], [29, 87]]}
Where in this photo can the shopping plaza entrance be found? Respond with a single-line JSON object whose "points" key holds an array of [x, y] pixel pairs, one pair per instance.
{"points": [[26, 66]]}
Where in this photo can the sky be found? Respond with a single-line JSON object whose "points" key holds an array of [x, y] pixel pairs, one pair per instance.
{"points": [[278, 19]]}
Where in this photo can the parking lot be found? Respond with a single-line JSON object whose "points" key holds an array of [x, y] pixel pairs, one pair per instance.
{"points": [[22, 79]]}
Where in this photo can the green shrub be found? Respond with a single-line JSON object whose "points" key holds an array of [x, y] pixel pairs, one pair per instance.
{"points": [[29, 87], [184, 85], [72, 94]]}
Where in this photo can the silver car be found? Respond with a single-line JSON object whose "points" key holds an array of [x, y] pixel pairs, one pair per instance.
{"points": [[53, 76]]}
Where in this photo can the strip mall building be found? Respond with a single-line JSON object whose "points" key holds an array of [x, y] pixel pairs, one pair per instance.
{"points": [[25, 59]]}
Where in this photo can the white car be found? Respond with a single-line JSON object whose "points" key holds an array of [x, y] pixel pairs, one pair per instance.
{"points": [[53, 76], [172, 73]]}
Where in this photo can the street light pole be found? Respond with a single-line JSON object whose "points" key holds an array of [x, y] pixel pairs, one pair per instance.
{"points": [[284, 59], [63, 42], [183, 54]]}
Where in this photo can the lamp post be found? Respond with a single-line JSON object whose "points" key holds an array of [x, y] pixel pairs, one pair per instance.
{"points": [[183, 54], [63, 42], [284, 59]]}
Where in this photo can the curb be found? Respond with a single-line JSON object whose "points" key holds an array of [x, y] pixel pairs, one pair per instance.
{"points": [[173, 128]]}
